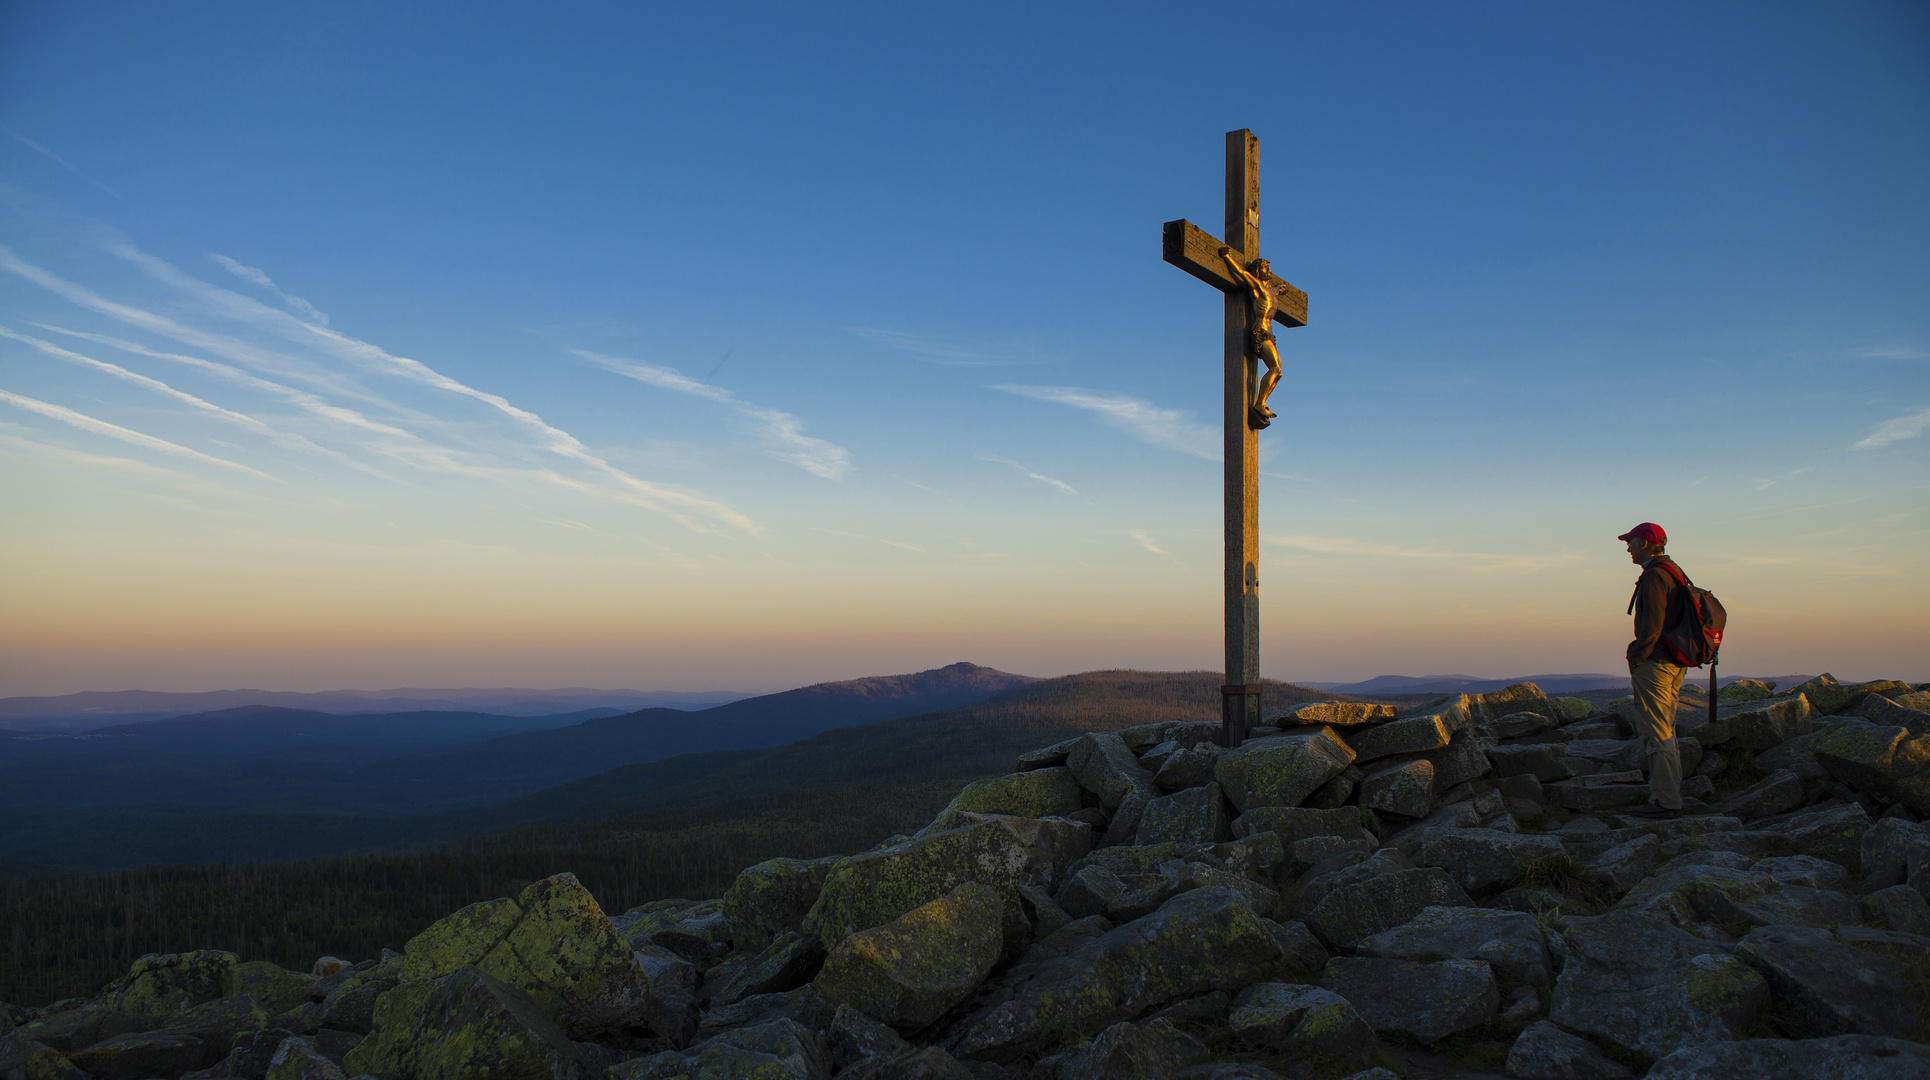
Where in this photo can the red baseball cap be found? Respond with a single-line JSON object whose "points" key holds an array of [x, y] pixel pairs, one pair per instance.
{"points": [[1649, 531]]}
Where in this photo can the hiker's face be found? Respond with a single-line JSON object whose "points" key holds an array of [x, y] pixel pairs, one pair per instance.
{"points": [[1637, 550]]}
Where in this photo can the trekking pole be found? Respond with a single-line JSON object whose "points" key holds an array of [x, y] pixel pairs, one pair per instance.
{"points": [[1712, 689]]}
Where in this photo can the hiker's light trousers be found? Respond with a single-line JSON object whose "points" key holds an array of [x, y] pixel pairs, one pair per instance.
{"points": [[1658, 685]]}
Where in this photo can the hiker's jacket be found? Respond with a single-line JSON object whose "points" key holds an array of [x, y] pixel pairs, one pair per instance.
{"points": [[1651, 608]]}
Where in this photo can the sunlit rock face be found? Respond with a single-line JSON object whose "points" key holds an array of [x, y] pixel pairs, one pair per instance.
{"points": [[1147, 902]]}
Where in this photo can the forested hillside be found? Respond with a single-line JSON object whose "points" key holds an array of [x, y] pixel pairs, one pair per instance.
{"points": [[683, 827]]}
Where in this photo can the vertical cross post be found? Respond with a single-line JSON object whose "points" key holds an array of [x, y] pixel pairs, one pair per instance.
{"points": [[1240, 698], [1195, 251]]}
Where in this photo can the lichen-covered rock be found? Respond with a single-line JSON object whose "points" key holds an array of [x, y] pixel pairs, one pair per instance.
{"points": [[1845, 1057], [1292, 824], [1546, 1052], [1414, 735], [1201, 941], [876, 887], [1308, 1023], [1757, 726], [298, 1059], [1898, 907], [140, 1054], [923, 1063], [772, 897], [1484, 860], [1281, 770], [1036, 793], [1623, 866], [1154, 1050], [1358, 909], [1833, 832], [1643, 985], [908, 972], [1518, 698], [463, 1025], [276, 988], [1338, 714], [1546, 762], [1818, 986], [1716, 902], [1511, 942], [780, 1049], [1830, 696], [1879, 709], [1194, 815], [1891, 762], [1185, 769], [1426, 1001], [1103, 765], [1894, 851], [1779, 792], [1406, 789], [552, 943], [784, 964], [351, 1005], [160, 984]]}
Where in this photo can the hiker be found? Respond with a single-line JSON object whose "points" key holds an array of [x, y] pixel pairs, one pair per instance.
{"points": [[1652, 672]]}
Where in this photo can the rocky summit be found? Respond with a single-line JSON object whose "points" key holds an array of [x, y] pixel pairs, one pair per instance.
{"points": [[1350, 891]]}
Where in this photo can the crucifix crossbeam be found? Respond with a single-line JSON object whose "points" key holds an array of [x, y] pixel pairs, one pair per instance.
{"points": [[1255, 299]]}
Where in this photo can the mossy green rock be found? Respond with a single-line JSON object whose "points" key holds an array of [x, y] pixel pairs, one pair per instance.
{"points": [[275, 987], [552, 943], [351, 1005], [162, 984], [1746, 690], [780, 1049], [1570, 709], [1198, 942], [1414, 735], [1282, 770], [910, 971], [1520, 697], [222, 1019], [1052, 792], [1888, 761], [1830, 696], [1308, 1023], [464, 1026], [772, 898], [1428, 1001], [877, 887], [1647, 987]]}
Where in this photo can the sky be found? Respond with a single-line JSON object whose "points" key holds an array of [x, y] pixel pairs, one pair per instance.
{"points": [[748, 345]]}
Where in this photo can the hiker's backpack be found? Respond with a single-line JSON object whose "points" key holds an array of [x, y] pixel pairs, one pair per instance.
{"points": [[1696, 619]]}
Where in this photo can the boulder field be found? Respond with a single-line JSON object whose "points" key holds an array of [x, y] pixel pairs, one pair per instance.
{"points": [[1351, 886]]}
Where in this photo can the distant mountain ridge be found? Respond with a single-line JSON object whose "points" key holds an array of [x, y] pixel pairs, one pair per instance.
{"points": [[261, 759], [100, 708], [1550, 684]]}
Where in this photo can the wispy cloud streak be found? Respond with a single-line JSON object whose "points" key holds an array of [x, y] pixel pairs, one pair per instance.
{"points": [[126, 435], [1903, 427], [686, 508], [1174, 429], [241, 420], [296, 304], [1146, 541], [1040, 477], [782, 432], [62, 162]]}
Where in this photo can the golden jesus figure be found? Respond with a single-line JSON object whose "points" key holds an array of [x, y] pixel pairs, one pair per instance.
{"points": [[1259, 330]]}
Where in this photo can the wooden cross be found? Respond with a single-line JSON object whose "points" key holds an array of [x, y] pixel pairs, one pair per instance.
{"points": [[1193, 250]]}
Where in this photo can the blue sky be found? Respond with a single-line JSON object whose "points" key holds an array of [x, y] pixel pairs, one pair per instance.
{"points": [[751, 345]]}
